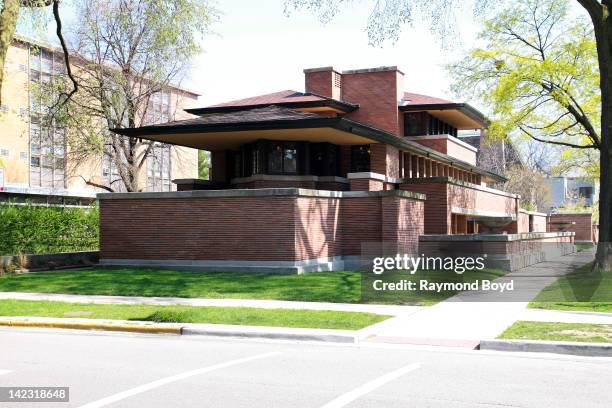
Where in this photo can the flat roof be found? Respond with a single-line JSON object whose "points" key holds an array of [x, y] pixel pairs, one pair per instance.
{"points": [[232, 129]]}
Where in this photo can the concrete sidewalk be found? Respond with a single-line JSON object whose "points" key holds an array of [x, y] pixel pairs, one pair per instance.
{"points": [[467, 318], [389, 310]]}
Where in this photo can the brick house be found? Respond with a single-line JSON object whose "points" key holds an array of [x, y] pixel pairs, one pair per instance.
{"points": [[302, 181]]}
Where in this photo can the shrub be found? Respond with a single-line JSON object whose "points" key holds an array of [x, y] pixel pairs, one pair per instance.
{"points": [[167, 316], [34, 229]]}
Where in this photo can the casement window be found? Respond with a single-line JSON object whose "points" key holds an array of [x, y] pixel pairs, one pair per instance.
{"points": [[282, 158], [423, 124], [324, 159], [360, 158]]}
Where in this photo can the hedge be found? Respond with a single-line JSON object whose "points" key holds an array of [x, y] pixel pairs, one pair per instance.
{"points": [[34, 229]]}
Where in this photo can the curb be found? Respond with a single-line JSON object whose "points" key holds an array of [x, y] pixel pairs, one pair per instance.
{"points": [[120, 327], [557, 347], [218, 330], [323, 335]]}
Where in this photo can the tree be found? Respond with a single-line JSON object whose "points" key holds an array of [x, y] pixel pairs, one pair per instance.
{"points": [[203, 164], [531, 185], [388, 16], [128, 53], [9, 14]]}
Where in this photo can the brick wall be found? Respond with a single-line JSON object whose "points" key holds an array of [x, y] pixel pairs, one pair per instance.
{"points": [[268, 228], [366, 185], [377, 96], [321, 82], [396, 227], [317, 228], [361, 221], [437, 216], [198, 228], [277, 184], [583, 227], [442, 196]]}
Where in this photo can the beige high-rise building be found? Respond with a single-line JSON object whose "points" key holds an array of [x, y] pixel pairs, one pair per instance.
{"points": [[35, 166]]}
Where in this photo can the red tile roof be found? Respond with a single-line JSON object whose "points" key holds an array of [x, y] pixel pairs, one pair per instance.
{"points": [[418, 99], [273, 98]]}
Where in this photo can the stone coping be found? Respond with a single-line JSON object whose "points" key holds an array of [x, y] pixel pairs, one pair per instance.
{"points": [[373, 176], [483, 213], [570, 213], [533, 213], [451, 180], [261, 192], [494, 237], [277, 177]]}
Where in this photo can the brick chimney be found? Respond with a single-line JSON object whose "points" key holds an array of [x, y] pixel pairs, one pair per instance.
{"points": [[323, 81], [378, 92]]}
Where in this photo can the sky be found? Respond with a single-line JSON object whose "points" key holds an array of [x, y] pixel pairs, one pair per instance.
{"points": [[256, 48]]}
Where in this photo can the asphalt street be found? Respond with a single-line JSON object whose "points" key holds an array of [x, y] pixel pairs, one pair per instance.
{"points": [[128, 370]]}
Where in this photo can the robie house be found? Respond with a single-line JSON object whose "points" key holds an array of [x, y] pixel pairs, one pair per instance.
{"points": [[302, 181]]}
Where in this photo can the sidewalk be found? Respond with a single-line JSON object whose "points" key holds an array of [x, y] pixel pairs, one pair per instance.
{"points": [[467, 318], [463, 320]]}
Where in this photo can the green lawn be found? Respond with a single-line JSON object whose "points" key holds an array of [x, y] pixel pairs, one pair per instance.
{"points": [[584, 246], [321, 319], [582, 290], [339, 287], [590, 333]]}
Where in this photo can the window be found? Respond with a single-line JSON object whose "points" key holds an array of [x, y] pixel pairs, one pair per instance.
{"points": [[415, 124], [324, 159], [422, 123], [48, 143], [158, 169], [585, 192], [158, 108], [360, 158], [4, 152], [282, 158]]}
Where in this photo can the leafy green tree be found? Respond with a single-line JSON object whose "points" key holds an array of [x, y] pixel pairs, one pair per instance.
{"points": [[203, 164], [129, 51], [387, 18], [535, 71], [9, 15]]}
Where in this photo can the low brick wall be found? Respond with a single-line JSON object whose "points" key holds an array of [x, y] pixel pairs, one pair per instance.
{"points": [[506, 251], [288, 230], [446, 196], [583, 226], [531, 221]]}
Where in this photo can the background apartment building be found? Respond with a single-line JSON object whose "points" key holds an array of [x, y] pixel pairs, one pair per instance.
{"points": [[34, 162], [573, 190]]}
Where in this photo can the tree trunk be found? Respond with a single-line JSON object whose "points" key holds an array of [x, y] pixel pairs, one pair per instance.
{"points": [[603, 32], [8, 23]]}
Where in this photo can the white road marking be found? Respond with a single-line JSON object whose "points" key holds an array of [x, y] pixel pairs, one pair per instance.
{"points": [[5, 371], [158, 383], [366, 388]]}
